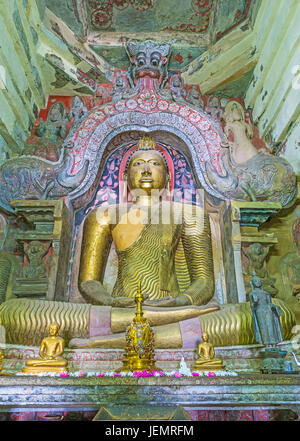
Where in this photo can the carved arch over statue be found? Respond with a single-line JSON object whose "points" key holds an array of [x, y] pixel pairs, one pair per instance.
{"points": [[109, 177], [91, 141]]}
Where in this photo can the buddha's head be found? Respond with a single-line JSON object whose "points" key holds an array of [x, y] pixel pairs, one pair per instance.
{"points": [[147, 169], [205, 337], [53, 329]]}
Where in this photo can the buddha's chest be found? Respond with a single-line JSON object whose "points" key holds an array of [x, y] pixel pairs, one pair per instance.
{"points": [[129, 228], [135, 226]]}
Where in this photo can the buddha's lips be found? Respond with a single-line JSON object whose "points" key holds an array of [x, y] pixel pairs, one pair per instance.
{"points": [[147, 73], [146, 180]]}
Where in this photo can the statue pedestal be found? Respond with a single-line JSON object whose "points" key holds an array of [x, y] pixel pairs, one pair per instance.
{"points": [[245, 219], [240, 359], [208, 367], [274, 361], [40, 369], [49, 232], [248, 396]]}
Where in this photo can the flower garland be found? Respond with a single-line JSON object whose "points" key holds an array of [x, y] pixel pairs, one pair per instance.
{"points": [[144, 373]]}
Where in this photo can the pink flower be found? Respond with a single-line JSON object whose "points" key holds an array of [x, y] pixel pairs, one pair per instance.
{"points": [[117, 375], [64, 374], [158, 372], [177, 374], [81, 374], [211, 374], [143, 373], [196, 374], [100, 375]]}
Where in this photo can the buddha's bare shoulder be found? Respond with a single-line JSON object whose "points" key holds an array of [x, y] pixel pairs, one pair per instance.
{"points": [[185, 208], [102, 214], [60, 339]]}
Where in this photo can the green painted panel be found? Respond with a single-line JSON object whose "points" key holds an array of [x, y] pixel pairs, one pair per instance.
{"points": [[118, 57], [236, 88]]}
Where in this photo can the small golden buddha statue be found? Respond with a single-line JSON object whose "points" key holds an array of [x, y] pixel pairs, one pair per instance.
{"points": [[51, 351], [1, 361], [207, 360]]}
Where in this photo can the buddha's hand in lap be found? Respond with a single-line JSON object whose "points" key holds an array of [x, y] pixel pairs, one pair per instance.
{"points": [[95, 293], [166, 301], [169, 301], [127, 302], [123, 302]]}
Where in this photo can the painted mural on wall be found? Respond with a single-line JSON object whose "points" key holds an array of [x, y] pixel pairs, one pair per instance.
{"points": [[192, 16]]}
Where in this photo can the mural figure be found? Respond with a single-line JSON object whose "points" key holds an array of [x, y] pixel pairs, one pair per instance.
{"points": [[119, 89], [78, 110], [213, 108], [35, 253], [51, 132], [178, 91], [237, 128], [194, 97]]}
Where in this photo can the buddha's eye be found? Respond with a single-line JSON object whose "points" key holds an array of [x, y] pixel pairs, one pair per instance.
{"points": [[155, 163], [137, 163]]}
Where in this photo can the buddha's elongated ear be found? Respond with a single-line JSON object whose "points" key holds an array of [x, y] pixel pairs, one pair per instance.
{"points": [[168, 181], [125, 184]]}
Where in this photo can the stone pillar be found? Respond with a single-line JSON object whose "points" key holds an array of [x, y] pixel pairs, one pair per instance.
{"points": [[45, 235], [246, 218]]}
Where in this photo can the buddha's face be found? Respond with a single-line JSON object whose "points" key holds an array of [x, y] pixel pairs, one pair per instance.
{"points": [[204, 337], [53, 330], [147, 171]]}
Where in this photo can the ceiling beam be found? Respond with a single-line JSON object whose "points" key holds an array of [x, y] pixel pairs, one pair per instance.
{"points": [[182, 39], [224, 62], [82, 50]]}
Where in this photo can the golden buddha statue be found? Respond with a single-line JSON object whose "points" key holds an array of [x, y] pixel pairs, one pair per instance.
{"points": [[147, 234], [207, 360], [171, 256], [51, 349]]}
